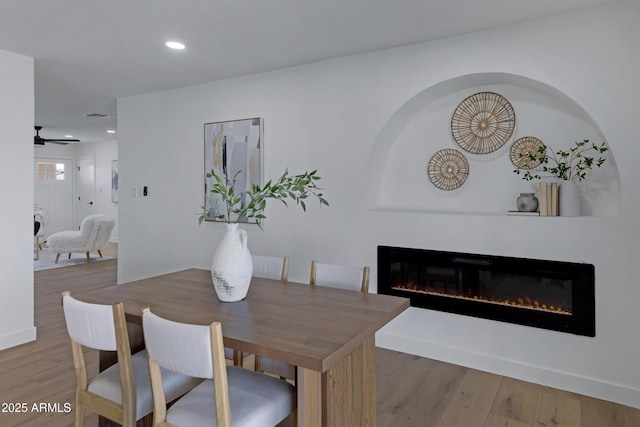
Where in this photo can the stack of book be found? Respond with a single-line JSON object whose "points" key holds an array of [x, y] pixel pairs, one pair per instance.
{"points": [[548, 199]]}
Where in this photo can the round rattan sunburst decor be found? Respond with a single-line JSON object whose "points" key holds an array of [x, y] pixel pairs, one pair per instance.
{"points": [[483, 122], [522, 148], [448, 169]]}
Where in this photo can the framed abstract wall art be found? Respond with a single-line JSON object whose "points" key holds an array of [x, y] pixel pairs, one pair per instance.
{"points": [[233, 151], [114, 181]]}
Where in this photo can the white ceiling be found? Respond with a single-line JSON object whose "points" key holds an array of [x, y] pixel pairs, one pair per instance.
{"points": [[88, 53]]}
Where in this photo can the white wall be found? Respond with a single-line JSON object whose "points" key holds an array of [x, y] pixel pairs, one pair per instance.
{"points": [[102, 153], [16, 174], [329, 115]]}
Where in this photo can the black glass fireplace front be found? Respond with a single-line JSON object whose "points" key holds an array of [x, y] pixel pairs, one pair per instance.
{"points": [[552, 295]]}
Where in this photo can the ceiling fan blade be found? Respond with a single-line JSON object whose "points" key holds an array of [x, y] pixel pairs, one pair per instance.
{"points": [[38, 140], [60, 141]]}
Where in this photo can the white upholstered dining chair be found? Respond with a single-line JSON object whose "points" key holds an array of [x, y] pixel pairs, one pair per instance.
{"points": [[340, 276], [271, 267], [266, 267], [122, 392], [330, 275], [229, 394]]}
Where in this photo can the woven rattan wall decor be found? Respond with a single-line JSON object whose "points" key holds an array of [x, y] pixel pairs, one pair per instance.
{"points": [[483, 122], [448, 169], [522, 148]]}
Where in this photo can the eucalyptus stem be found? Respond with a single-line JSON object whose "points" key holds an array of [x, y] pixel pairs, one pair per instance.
{"points": [[572, 164], [296, 187]]}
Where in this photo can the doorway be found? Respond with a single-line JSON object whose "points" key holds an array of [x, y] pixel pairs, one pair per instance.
{"points": [[86, 180], [53, 196]]}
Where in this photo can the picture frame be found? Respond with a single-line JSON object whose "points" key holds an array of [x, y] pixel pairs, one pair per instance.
{"points": [[232, 148], [114, 181]]}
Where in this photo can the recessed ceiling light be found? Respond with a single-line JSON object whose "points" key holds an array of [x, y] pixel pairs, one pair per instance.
{"points": [[174, 45], [111, 131], [68, 136]]}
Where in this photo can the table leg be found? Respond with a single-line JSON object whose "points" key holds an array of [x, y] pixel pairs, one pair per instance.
{"points": [[345, 395], [308, 388]]}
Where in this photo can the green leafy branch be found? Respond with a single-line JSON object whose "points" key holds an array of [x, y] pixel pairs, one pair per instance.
{"points": [[572, 164], [252, 205]]}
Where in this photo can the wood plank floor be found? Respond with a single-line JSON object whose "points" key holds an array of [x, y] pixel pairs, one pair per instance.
{"points": [[411, 391]]}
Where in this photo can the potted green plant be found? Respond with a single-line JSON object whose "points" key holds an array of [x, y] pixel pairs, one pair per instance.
{"points": [[569, 166], [572, 164], [231, 267]]}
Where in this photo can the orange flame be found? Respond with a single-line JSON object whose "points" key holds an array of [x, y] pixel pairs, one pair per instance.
{"points": [[525, 302]]}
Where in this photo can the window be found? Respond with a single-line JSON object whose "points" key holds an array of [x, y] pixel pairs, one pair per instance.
{"points": [[49, 171], [59, 171]]}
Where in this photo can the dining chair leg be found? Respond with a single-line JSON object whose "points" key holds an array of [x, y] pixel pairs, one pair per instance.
{"points": [[69, 257], [78, 416], [88, 257], [57, 258], [237, 358], [100, 253]]}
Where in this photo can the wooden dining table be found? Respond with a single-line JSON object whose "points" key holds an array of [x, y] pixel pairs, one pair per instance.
{"points": [[329, 334]]}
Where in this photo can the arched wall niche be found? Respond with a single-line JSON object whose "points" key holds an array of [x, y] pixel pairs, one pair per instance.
{"points": [[421, 127]]}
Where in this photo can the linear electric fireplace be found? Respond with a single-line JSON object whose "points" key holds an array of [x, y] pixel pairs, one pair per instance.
{"points": [[552, 295]]}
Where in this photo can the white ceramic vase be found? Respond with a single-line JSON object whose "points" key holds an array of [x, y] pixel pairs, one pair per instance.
{"points": [[569, 198], [231, 267]]}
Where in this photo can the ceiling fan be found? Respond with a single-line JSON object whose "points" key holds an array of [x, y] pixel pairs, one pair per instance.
{"points": [[38, 140]]}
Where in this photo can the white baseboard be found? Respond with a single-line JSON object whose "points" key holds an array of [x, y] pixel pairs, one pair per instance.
{"points": [[18, 338], [618, 393]]}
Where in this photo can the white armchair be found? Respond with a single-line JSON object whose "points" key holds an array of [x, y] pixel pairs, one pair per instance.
{"points": [[104, 234], [94, 233]]}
